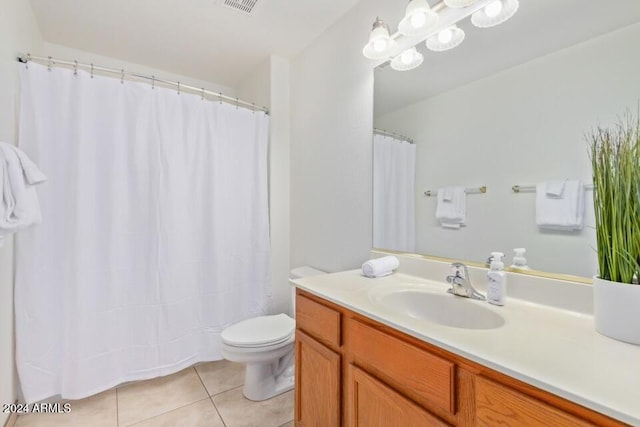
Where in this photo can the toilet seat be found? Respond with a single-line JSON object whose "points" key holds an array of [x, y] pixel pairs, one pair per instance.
{"points": [[259, 332]]}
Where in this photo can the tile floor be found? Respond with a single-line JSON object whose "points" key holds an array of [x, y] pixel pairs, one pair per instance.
{"points": [[209, 394]]}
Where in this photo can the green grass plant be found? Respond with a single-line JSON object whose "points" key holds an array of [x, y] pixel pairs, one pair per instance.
{"points": [[615, 159]]}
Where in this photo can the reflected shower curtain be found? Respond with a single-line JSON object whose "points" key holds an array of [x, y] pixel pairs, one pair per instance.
{"points": [[155, 234], [394, 163]]}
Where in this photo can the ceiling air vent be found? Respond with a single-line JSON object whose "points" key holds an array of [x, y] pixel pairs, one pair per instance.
{"points": [[244, 6]]}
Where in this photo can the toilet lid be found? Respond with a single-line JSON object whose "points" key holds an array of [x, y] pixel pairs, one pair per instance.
{"points": [[260, 331]]}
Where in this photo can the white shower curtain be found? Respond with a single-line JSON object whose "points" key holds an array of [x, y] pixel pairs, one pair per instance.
{"points": [[155, 232], [394, 163]]}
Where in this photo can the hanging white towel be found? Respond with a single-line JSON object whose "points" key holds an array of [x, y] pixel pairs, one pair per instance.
{"points": [[19, 207], [563, 212], [555, 188], [451, 210]]}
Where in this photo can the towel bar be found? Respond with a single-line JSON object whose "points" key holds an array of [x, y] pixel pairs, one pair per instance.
{"points": [[532, 188], [472, 190]]}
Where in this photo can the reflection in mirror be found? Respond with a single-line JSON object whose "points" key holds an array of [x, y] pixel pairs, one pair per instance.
{"points": [[508, 106]]}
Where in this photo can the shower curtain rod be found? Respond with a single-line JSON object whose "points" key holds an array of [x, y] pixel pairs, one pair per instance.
{"points": [[50, 62], [393, 134]]}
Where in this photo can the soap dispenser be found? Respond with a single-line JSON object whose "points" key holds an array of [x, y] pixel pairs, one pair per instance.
{"points": [[496, 280], [519, 261]]}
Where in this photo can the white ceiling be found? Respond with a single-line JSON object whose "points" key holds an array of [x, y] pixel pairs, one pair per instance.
{"points": [[197, 38], [538, 28]]}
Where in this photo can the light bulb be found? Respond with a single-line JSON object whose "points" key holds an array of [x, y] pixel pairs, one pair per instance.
{"points": [[493, 8], [407, 57], [418, 19], [445, 36], [380, 45]]}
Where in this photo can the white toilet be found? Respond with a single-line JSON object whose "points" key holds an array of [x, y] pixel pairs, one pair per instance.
{"points": [[266, 345]]}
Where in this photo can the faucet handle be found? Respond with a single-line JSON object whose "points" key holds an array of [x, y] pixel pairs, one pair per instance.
{"points": [[460, 270]]}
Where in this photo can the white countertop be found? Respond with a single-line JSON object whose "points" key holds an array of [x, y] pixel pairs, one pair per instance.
{"points": [[551, 348]]}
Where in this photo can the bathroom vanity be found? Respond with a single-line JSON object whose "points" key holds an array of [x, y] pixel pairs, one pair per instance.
{"points": [[366, 357]]}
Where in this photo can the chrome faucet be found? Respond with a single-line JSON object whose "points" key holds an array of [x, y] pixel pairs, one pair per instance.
{"points": [[461, 283]]}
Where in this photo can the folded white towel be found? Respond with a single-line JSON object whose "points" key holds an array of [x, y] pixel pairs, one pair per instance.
{"points": [[451, 208], [564, 212], [380, 266], [555, 188], [19, 206]]}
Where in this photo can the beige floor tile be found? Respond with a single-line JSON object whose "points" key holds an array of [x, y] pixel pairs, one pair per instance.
{"points": [[146, 399], [99, 410], [199, 414], [236, 411], [221, 375]]}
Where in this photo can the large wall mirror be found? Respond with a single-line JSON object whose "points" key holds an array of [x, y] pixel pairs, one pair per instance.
{"points": [[511, 106]]}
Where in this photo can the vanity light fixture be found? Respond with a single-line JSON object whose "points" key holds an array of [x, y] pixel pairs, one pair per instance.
{"points": [[446, 39], [457, 4], [407, 60], [421, 22], [495, 13], [380, 41], [418, 19]]}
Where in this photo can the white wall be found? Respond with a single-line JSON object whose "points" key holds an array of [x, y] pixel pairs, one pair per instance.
{"points": [[279, 182], [256, 87], [331, 157], [521, 126], [268, 85], [18, 33]]}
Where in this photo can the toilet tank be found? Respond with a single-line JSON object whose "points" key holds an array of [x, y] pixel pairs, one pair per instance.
{"points": [[299, 273]]}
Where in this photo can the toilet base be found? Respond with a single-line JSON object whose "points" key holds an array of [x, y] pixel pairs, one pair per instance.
{"points": [[264, 381]]}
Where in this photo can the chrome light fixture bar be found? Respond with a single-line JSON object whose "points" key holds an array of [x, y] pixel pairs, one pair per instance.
{"points": [[436, 25], [456, 4]]}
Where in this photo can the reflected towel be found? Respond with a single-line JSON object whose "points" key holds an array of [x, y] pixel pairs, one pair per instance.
{"points": [[451, 210], [380, 267], [565, 212], [19, 206], [555, 188]]}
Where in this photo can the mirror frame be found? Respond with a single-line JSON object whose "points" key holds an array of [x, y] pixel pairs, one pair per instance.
{"points": [[525, 271]]}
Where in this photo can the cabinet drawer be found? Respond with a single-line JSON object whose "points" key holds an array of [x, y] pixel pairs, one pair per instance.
{"points": [[317, 320], [409, 369], [499, 405]]}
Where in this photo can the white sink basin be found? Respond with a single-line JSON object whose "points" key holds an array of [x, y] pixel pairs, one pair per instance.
{"points": [[442, 308]]}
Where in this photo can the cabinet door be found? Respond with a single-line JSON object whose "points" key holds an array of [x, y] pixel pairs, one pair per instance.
{"points": [[497, 404], [371, 403], [317, 383]]}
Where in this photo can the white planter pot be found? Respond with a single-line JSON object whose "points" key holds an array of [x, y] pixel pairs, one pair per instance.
{"points": [[616, 310]]}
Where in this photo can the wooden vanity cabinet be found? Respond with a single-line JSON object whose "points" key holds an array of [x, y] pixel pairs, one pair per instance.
{"points": [[354, 371], [318, 366]]}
